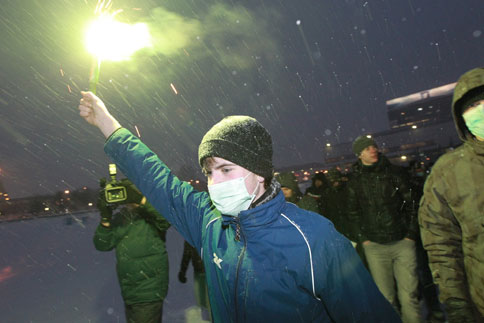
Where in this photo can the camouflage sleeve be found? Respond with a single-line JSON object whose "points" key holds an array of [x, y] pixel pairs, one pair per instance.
{"points": [[442, 238]]}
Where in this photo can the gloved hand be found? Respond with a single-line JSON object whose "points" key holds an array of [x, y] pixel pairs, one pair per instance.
{"points": [[105, 211], [182, 278]]}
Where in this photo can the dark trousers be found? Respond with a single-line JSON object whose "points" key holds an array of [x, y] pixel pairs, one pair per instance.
{"points": [[144, 312]]}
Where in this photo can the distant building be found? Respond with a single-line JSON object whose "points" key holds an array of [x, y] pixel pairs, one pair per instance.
{"points": [[421, 128]]}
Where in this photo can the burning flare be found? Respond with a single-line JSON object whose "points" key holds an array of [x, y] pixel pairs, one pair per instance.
{"points": [[108, 39]]}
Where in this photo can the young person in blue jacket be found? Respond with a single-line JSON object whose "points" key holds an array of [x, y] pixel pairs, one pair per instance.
{"points": [[266, 260]]}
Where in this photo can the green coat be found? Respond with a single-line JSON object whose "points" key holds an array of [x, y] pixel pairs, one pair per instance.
{"points": [[451, 217], [142, 261]]}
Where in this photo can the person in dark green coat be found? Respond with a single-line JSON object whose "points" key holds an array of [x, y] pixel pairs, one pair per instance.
{"points": [[334, 201], [293, 194], [137, 233]]}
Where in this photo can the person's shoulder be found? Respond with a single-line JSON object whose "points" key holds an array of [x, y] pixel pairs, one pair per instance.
{"points": [[450, 158], [306, 219]]}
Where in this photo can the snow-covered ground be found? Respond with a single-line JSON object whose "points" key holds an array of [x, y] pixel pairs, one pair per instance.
{"points": [[51, 272]]}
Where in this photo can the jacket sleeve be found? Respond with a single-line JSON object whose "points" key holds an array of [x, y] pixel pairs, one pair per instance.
{"points": [[178, 201], [354, 214], [409, 207], [105, 238], [442, 238], [345, 286]]}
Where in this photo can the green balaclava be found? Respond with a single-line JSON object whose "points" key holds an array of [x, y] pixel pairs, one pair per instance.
{"points": [[241, 140], [361, 143]]}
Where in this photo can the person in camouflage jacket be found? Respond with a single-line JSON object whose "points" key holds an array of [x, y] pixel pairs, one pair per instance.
{"points": [[451, 213]]}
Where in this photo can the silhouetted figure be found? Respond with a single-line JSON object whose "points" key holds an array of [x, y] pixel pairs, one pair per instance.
{"points": [[199, 280]]}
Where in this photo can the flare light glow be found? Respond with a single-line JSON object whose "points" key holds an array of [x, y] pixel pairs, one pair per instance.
{"points": [[108, 39]]}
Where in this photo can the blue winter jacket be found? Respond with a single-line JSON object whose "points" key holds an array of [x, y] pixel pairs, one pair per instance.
{"points": [[289, 265]]}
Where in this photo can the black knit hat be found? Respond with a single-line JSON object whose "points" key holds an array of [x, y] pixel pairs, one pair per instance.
{"points": [[241, 140], [361, 143]]}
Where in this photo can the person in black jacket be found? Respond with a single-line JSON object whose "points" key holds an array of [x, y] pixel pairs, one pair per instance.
{"points": [[334, 201], [383, 216]]}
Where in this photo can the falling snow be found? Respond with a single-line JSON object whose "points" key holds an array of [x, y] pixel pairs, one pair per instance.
{"points": [[312, 72]]}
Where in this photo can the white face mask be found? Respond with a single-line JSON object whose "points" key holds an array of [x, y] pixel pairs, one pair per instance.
{"points": [[231, 197], [474, 120]]}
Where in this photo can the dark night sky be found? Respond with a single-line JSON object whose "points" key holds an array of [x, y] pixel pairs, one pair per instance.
{"points": [[325, 79]]}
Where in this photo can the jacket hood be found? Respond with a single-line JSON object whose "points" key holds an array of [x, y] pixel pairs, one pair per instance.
{"points": [[470, 84], [259, 216]]}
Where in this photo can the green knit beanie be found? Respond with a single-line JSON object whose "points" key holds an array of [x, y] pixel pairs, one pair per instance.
{"points": [[361, 143], [241, 140]]}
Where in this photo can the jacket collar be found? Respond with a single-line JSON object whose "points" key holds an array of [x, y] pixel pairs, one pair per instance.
{"points": [[260, 215], [381, 164]]}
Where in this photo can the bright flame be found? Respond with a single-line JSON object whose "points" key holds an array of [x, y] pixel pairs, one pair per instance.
{"points": [[108, 39]]}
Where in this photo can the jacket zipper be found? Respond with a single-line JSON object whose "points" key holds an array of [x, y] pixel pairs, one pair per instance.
{"points": [[238, 232]]}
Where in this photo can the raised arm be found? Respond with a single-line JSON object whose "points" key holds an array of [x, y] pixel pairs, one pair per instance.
{"points": [[93, 110], [180, 204]]}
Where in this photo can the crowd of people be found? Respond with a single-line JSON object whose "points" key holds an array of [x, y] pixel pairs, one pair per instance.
{"points": [[366, 246]]}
